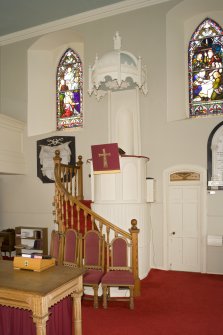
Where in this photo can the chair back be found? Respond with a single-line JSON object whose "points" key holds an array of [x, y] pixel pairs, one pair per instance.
{"points": [[120, 254], [93, 250], [1, 240], [55, 244], [71, 248]]}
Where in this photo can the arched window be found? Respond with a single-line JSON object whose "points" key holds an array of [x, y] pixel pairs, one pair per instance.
{"points": [[205, 63], [69, 91]]}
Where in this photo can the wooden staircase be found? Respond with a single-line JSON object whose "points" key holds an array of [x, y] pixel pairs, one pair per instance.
{"points": [[72, 211]]}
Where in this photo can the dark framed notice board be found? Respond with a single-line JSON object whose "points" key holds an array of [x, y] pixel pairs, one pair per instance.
{"points": [[215, 158]]}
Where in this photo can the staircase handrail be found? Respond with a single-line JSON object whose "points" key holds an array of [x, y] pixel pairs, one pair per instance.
{"points": [[76, 199]]}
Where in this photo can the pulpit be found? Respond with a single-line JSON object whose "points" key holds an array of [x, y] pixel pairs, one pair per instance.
{"points": [[121, 197]]}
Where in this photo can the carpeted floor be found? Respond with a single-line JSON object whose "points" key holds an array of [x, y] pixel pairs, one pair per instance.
{"points": [[171, 303]]}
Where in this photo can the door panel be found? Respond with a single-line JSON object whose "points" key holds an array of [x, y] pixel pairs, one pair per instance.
{"points": [[175, 218], [183, 227], [190, 220], [190, 253]]}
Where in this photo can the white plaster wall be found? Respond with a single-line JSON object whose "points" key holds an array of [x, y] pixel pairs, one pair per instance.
{"points": [[11, 146], [43, 58], [156, 34]]}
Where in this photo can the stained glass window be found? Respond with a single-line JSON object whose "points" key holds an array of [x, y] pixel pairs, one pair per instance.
{"points": [[205, 62], [69, 91]]}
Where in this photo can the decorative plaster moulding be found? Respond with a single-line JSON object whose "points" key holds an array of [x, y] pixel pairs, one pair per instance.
{"points": [[116, 70], [74, 20]]}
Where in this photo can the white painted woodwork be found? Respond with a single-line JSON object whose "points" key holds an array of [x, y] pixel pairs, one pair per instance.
{"points": [[124, 120], [128, 186], [184, 228], [121, 197]]}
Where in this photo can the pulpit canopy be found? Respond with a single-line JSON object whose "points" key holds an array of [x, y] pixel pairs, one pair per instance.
{"points": [[116, 70]]}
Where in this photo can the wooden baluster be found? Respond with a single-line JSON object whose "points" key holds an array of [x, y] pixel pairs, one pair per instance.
{"points": [[78, 218], [61, 229], [75, 216], [62, 175], [85, 221], [54, 204], [67, 213], [72, 214], [57, 162], [70, 179], [92, 222], [66, 177], [134, 231], [108, 245], [62, 211], [80, 178], [100, 228], [59, 207], [75, 183]]}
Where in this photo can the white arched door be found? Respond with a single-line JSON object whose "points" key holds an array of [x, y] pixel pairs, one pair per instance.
{"points": [[184, 202]]}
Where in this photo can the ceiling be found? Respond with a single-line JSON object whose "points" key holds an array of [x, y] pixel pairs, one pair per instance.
{"points": [[16, 15]]}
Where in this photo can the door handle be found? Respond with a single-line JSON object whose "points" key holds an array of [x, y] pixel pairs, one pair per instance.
{"points": [[173, 233]]}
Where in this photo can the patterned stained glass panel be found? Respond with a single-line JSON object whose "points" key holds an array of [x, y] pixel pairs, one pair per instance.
{"points": [[205, 70], [69, 91]]}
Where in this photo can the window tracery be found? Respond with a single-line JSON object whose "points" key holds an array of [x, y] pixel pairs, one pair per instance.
{"points": [[205, 69], [69, 90]]}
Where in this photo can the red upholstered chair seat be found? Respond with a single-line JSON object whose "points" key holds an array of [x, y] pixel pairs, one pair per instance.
{"points": [[119, 270], [72, 248], [93, 276], [93, 261], [118, 278]]}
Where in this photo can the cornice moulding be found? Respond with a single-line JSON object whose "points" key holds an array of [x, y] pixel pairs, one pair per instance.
{"points": [[74, 20]]}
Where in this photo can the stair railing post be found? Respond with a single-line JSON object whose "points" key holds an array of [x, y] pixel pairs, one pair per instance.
{"points": [[60, 220], [134, 231], [80, 178], [57, 161]]}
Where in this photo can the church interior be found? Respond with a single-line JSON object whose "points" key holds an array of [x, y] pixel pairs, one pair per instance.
{"points": [[135, 58]]}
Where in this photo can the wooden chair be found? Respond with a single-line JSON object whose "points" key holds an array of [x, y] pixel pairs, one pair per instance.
{"points": [[119, 270], [1, 240], [72, 248], [8, 244], [93, 245], [55, 245]]}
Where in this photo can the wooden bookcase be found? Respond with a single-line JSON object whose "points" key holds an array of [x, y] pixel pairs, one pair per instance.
{"points": [[30, 240]]}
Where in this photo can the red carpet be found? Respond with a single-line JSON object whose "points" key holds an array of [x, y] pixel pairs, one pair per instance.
{"points": [[172, 303]]}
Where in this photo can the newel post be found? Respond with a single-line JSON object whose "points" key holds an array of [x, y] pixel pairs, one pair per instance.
{"points": [[57, 161], [59, 204], [80, 178], [134, 231]]}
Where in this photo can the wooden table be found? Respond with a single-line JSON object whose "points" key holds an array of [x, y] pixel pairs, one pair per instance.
{"points": [[38, 291]]}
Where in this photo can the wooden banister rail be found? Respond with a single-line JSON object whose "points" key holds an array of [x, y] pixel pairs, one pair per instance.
{"points": [[70, 176], [70, 212]]}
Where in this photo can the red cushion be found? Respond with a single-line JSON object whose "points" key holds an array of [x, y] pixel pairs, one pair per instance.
{"points": [[118, 277], [70, 246], [92, 248], [93, 276]]}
